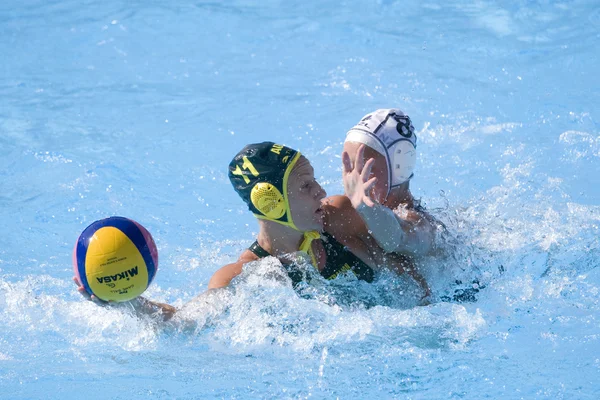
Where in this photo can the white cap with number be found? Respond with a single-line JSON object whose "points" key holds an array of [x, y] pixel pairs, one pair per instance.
{"points": [[390, 133]]}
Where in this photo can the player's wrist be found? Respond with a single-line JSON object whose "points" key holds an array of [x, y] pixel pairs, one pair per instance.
{"points": [[359, 203]]}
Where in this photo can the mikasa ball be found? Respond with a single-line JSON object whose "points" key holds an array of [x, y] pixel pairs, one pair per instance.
{"points": [[115, 259]]}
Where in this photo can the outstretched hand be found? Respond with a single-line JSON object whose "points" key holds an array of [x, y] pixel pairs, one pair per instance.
{"points": [[140, 304], [356, 178]]}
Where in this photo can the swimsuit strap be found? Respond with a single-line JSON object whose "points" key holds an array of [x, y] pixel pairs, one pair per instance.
{"points": [[306, 246]]}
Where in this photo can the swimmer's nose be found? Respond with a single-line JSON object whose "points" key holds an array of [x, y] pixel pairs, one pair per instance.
{"points": [[320, 194]]}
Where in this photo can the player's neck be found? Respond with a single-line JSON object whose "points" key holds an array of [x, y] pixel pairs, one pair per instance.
{"points": [[400, 195], [278, 239]]}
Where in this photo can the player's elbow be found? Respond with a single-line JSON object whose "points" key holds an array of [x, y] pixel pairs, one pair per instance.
{"points": [[417, 244]]}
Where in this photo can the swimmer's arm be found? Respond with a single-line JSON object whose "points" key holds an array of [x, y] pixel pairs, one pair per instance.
{"points": [[341, 220], [220, 279], [148, 307], [404, 265], [141, 305], [345, 224], [413, 233], [225, 275]]}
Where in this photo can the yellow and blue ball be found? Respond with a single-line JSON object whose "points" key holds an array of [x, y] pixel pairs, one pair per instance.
{"points": [[115, 259]]}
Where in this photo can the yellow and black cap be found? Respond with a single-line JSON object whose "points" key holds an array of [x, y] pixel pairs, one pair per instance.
{"points": [[259, 174]]}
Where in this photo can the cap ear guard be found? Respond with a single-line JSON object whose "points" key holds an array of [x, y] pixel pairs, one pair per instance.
{"points": [[259, 174], [267, 199], [403, 159]]}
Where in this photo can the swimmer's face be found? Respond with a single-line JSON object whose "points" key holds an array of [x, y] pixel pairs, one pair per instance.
{"points": [[379, 170], [304, 196]]}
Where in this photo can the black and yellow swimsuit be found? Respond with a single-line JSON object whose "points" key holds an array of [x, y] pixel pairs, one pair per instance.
{"points": [[338, 260]]}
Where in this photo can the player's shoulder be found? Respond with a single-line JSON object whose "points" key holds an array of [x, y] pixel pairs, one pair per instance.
{"points": [[337, 204], [340, 217]]}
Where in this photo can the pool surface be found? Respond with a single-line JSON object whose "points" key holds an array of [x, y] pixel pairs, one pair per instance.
{"points": [[135, 108]]}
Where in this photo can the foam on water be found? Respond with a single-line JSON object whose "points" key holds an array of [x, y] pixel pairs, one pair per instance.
{"points": [[136, 109], [532, 249]]}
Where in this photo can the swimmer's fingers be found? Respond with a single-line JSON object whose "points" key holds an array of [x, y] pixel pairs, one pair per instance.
{"points": [[98, 301], [360, 159], [81, 289], [347, 162], [367, 199], [366, 171], [85, 294]]}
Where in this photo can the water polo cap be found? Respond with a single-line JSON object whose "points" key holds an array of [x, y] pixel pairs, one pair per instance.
{"points": [[259, 173], [390, 133]]}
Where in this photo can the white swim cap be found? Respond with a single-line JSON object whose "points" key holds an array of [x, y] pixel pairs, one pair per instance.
{"points": [[390, 133]]}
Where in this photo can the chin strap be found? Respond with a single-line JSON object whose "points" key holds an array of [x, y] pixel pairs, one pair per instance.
{"points": [[306, 246]]}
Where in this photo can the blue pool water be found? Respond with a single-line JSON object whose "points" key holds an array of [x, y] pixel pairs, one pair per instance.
{"points": [[135, 108]]}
